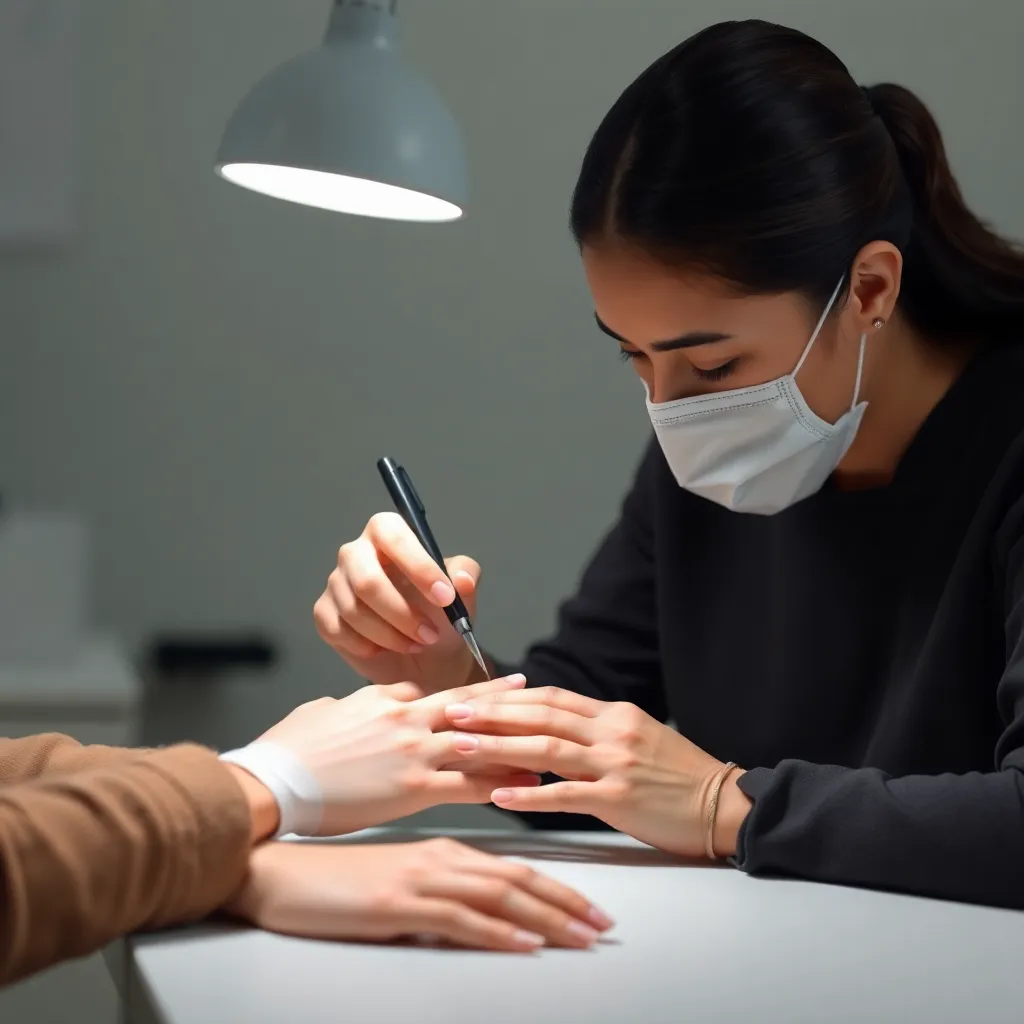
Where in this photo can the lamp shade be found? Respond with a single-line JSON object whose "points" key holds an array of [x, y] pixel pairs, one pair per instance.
{"points": [[349, 127]]}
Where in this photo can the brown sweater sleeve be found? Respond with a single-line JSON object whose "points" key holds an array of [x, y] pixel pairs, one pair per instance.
{"points": [[144, 840], [53, 754]]}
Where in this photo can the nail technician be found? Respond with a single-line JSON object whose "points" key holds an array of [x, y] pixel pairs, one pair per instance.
{"points": [[818, 573]]}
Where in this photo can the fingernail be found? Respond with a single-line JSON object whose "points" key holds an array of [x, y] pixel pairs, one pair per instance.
{"points": [[600, 918], [459, 711], [443, 593], [463, 575], [582, 932], [518, 679], [466, 743], [502, 796], [528, 939], [427, 635]]}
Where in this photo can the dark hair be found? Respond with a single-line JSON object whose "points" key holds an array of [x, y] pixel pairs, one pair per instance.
{"points": [[749, 151]]}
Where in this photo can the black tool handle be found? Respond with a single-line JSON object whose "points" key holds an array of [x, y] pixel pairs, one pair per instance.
{"points": [[409, 506]]}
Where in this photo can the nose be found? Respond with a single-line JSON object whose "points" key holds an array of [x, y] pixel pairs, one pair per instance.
{"points": [[668, 376], [663, 387]]}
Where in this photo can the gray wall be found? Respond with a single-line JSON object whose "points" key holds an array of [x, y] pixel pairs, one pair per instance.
{"points": [[210, 375]]}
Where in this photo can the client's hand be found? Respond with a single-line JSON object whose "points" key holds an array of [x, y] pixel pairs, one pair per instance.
{"points": [[338, 766], [438, 887]]}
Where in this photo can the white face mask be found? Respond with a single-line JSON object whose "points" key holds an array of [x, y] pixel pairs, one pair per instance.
{"points": [[758, 449]]}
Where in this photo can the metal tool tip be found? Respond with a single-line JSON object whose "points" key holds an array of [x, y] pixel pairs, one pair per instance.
{"points": [[477, 653]]}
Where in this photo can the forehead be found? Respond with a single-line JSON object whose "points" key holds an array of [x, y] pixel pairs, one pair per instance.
{"points": [[632, 281], [644, 300]]}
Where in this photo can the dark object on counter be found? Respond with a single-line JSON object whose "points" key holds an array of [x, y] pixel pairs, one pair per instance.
{"points": [[211, 655]]}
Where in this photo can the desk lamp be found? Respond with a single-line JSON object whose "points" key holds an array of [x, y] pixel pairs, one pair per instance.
{"points": [[349, 127]]}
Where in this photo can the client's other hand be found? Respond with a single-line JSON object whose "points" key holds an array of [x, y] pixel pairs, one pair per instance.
{"points": [[438, 887]]}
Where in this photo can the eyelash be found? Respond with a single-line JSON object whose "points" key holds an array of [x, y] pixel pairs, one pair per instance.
{"points": [[716, 374]]}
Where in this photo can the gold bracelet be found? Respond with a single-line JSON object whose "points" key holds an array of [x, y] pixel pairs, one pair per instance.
{"points": [[712, 814]]}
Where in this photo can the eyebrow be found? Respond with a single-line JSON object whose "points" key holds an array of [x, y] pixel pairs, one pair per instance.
{"points": [[690, 340]]}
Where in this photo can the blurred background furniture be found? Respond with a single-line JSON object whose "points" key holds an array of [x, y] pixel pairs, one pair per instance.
{"points": [[56, 675]]}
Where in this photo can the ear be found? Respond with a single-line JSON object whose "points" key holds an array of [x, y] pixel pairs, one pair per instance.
{"points": [[874, 285]]}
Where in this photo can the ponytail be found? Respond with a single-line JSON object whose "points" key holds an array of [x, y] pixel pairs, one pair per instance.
{"points": [[960, 278]]}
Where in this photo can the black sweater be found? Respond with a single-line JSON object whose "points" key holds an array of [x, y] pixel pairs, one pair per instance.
{"points": [[861, 654]]}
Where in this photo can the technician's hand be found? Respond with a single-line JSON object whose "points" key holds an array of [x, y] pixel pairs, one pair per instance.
{"points": [[373, 756], [622, 766], [382, 609], [438, 887]]}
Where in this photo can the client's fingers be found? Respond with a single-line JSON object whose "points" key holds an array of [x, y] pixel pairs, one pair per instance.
{"points": [[499, 897], [469, 768], [404, 692], [433, 706], [539, 754], [452, 920], [522, 720], [545, 888]]}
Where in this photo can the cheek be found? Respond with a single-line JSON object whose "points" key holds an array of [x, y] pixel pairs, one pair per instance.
{"points": [[770, 357]]}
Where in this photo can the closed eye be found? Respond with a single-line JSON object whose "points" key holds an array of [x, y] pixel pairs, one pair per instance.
{"points": [[716, 373]]}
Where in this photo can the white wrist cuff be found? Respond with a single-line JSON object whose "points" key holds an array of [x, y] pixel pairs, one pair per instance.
{"points": [[298, 795]]}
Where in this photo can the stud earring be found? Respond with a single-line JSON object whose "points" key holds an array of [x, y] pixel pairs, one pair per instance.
{"points": [[878, 323]]}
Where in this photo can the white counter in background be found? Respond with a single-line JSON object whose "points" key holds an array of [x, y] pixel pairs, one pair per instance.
{"points": [[96, 697]]}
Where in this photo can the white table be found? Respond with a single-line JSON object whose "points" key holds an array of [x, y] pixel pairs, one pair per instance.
{"points": [[694, 944]]}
